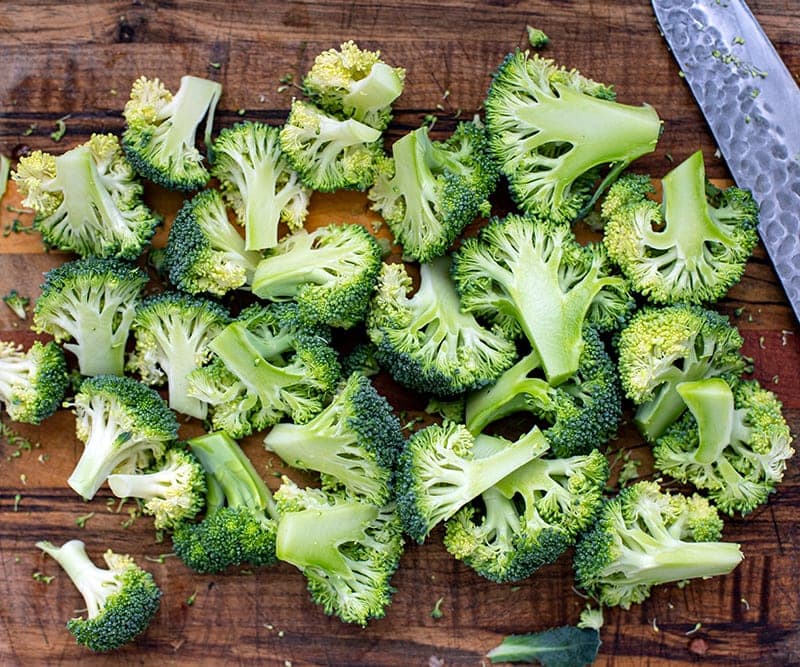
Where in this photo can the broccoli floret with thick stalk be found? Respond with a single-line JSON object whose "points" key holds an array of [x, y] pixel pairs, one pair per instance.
{"points": [[240, 522], [87, 200], [425, 341], [17, 303], [646, 537], [441, 469], [662, 347], [429, 191], [355, 83], [90, 303], [125, 427], [330, 273], [161, 129], [580, 414], [530, 517], [265, 365], [172, 332], [530, 275], [692, 247], [347, 549], [205, 252], [354, 442], [327, 152], [173, 491], [32, 382], [258, 183], [732, 442], [551, 130], [121, 599]]}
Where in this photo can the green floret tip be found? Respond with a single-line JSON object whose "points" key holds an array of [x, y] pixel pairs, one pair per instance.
{"points": [[121, 599], [32, 382], [17, 303]]}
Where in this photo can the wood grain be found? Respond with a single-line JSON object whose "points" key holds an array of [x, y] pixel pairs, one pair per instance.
{"points": [[76, 60]]}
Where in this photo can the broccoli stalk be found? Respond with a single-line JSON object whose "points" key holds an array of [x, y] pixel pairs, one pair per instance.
{"points": [[32, 382]]}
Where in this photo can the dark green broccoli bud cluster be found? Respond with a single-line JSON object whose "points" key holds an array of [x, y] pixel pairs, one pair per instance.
{"points": [[32, 382]]}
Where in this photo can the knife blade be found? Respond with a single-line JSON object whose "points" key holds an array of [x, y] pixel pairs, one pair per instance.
{"points": [[751, 103]]}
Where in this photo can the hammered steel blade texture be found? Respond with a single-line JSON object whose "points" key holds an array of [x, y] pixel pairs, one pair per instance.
{"points": [[752, 105]]}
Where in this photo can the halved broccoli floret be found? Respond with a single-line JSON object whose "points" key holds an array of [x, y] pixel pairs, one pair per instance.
{"points": [[33, 381], [17, 303]]}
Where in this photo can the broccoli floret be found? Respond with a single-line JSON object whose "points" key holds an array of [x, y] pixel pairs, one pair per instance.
{"points": [[440, 470], [551, 130], [355, 83], [690, 248], [125, 426], [265, 365], [530, 517], [330, 273], [429, 191], [87, 200], [172, 332], [32, 382], [159, 137], [733, 442], [240, 523], [532, 276], [537, 38], [173, 491], [353, 442], [90, 302], [662, 347], [425, 341], [17, 303], [121, 600], [258, 183], [580, 414], [347, 549], [645, 537], [329, 153]]}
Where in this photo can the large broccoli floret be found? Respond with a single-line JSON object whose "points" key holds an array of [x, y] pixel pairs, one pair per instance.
{"points": [[121, 600], [87, 200], [429, 191], [662, 347], [160, 132], [33, 381], [692, 247], [90, 302], [172, 332], [330, 273], [645, 537], [354, 442], [732, 442], [551, 130], [347, 549], [258, 183], [531, 275]]}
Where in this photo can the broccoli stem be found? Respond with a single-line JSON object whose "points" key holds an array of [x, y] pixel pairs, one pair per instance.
{"points": [[413, 177], [711, 403], [12, 370], [195, 98], [141, 485], [375, 91]]}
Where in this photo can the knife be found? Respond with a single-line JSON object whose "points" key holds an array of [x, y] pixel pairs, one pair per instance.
{"points": [[752, 105]]}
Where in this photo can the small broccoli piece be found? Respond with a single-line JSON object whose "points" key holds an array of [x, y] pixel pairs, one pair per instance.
{"points": [[5, 170], [329, 153], [330, 273], [17, 303], [125, 426], [530, 275], [551, 129], [172, 332], [347, 549], [537, 38], [121, 600], [160, 132], [646, 537], [32, 382], [692, 247], [440, 470], [173, 490], [240, 523], [662, 347], [425, 341], [355, 83], [354, 442], [258, 183], [91, 303], [733, 442], [87, 200]]}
